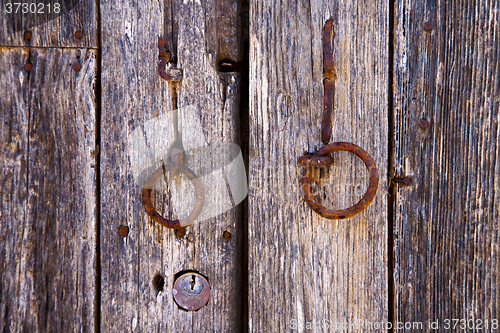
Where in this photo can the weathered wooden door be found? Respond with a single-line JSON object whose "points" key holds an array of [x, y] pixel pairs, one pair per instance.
{"points": [[417, 86]]}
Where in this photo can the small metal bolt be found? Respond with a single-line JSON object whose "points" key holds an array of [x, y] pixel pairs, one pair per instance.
{"points": [[226, 234], [27, 67], [27, 35], [191, 291], [424, 123], [76, 66], [428, 27], [78, 34], [123, 231]]}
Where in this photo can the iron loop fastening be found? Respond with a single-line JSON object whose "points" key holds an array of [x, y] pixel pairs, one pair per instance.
{"points": [[322, 158], [174, 167], [308, 175]]}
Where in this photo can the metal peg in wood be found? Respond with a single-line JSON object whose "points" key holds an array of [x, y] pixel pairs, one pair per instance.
{"points": [[191, 291]]}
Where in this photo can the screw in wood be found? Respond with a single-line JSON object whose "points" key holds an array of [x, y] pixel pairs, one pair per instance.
{"points": [[226, 234], [79, 34], [424, 123], [27, 35], [123, 231], [27, 67], [76, 66], [428, 27]]}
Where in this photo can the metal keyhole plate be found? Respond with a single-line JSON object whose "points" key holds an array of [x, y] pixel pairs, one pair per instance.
{"points": [[191, 291]]}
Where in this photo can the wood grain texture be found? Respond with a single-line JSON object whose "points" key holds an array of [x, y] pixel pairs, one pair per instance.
{"points": [[50, 30], [47, 211], [133, 93], [447, 222], [303, 268]]}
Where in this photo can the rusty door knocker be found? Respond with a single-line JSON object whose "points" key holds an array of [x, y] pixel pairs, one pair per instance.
{"points": [[175, 167], [322, 157], [177, 162]]}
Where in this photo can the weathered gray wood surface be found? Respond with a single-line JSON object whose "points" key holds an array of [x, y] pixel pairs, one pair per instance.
{"points": [[446, 231], [303, 268], [47, 176], [133, 93], [58, 32]]}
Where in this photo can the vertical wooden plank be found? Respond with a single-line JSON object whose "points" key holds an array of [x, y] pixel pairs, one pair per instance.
{"points": [[48, 191], [447, 71], [133, 94], [50, 26], [305, 271]]}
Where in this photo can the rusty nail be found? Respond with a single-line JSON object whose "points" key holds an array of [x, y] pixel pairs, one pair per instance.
{"points": [[226, 234], [27, 35], [328, 82], [76, 66], [180, 232], [428, 27], [404, 180], [123, 231], [424, 123], [27, 67], [78, 34]]}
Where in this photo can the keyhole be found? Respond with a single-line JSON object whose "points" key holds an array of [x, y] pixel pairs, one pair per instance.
{"points": [[192, 282]]}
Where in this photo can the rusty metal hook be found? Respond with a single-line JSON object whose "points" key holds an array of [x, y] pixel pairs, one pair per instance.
{"points": [[175, 166], [322, 158], [164, 57]]}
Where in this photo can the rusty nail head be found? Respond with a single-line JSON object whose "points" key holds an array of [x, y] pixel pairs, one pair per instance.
{"points": [[123, 231], [78, 34], [191, 291], [405, 180], [428, 27], [76, 66], [180, 232], [226, 234], [27, 67], [424, 123], [27, 35]]}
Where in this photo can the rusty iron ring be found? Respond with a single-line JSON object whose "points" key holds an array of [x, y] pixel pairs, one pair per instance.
{"points": [[174, 224], [363, 203]]}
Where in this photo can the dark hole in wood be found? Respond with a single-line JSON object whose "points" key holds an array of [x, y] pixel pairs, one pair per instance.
{"points": [[158, 282], [226, 66]]}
